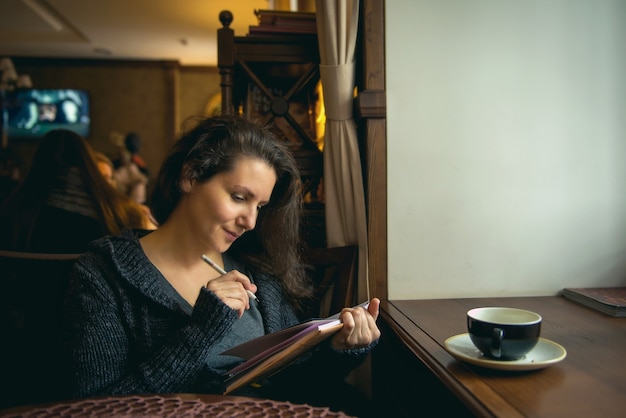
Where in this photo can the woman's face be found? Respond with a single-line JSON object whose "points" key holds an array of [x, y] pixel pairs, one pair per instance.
{"points": [[227, 205]]}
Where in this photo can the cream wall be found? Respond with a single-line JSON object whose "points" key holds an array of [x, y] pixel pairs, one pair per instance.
{"points": [[506, 146]]}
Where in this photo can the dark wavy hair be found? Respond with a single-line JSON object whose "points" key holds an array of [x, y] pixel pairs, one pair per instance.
{"points": [[60, 151], [216, 145]]}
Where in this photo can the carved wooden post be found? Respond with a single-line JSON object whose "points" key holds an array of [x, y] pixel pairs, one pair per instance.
{"points": [[226, 61]]}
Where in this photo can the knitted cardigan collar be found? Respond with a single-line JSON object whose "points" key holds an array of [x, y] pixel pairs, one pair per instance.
{"points": [[131, 263]]}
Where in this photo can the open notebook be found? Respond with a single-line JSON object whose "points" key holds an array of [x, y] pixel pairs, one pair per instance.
{"points": [[270, 353]]}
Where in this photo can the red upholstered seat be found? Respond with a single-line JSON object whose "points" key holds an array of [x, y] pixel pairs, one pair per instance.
{"points": [[174, 406]]}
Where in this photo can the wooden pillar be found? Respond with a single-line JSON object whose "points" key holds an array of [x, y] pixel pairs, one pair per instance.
{"points": [[226, 60], [371, 112]]}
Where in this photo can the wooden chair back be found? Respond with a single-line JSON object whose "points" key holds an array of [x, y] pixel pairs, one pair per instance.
{"points": [[33, 287], [334, 274]]}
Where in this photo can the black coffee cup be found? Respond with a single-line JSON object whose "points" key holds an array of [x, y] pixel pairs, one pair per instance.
{"points": [[503, 333]]}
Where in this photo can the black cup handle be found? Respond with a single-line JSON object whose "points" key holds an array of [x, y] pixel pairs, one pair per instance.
{"points": [[496, 342]]}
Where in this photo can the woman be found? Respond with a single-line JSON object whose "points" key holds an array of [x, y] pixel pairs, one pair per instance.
{"points": [[64, 202], [146, 314]]}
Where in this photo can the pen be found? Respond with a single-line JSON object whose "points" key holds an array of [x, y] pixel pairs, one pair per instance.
{"points": [[222, 271]]}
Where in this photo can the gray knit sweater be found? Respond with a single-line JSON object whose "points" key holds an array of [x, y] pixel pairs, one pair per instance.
{"points": [[124, 334]]}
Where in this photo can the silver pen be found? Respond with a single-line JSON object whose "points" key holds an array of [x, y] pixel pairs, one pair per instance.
{"points": [[222, 271]]}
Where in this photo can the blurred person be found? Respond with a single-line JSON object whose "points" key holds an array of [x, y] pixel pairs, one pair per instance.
{"points": [[133, 145], [129, 178], [105, 165], [135, 191], [64, 202]]}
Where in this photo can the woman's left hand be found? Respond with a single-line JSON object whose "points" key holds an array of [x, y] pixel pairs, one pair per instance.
{"points": [[359, 327]]}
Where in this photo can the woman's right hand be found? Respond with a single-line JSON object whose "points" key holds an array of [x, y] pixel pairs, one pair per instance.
{"points": [[231, 289]]}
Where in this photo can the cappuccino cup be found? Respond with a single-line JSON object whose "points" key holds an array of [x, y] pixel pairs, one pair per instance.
{"points": [[503, 333]]}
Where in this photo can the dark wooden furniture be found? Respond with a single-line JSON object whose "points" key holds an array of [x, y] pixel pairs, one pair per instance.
{"points": [[413, 375], [371, 116], [334, 274], [33, 286], [273, 79]]}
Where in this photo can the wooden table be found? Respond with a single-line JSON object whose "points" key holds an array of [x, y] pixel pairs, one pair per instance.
{"points": [[413, 374]]}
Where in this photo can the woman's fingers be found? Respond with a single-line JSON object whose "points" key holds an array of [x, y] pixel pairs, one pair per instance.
{"points": [[359, 327], [241, 278], [374, 308], [231, 289]]}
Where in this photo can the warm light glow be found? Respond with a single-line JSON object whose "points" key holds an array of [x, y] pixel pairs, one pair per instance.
{"points": [[320, 117]]}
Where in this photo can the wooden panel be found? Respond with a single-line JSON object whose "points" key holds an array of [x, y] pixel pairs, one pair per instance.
{"points": [[138, 96], [371, 108], [376, 197], [371, 104], [405, 387], [295, 49]]}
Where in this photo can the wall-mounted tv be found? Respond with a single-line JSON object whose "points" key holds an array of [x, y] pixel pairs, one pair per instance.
{"points": [[33, 112]]}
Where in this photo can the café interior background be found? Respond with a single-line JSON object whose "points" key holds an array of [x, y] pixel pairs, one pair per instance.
{"points": [[506, 151]]}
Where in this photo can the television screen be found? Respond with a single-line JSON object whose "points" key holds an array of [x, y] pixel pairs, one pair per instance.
{"points": [[33, 112]]}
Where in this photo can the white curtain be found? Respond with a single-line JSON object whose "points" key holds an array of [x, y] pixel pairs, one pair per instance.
{"points": [[337, 24]]}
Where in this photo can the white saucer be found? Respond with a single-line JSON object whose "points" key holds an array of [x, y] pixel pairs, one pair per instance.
{"points": [[544, 354]]}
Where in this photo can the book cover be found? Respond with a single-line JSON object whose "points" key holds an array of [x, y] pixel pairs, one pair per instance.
{"points": [[281, 30], [277, 22], [610, 300], [282, 17], [272, 352]]}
